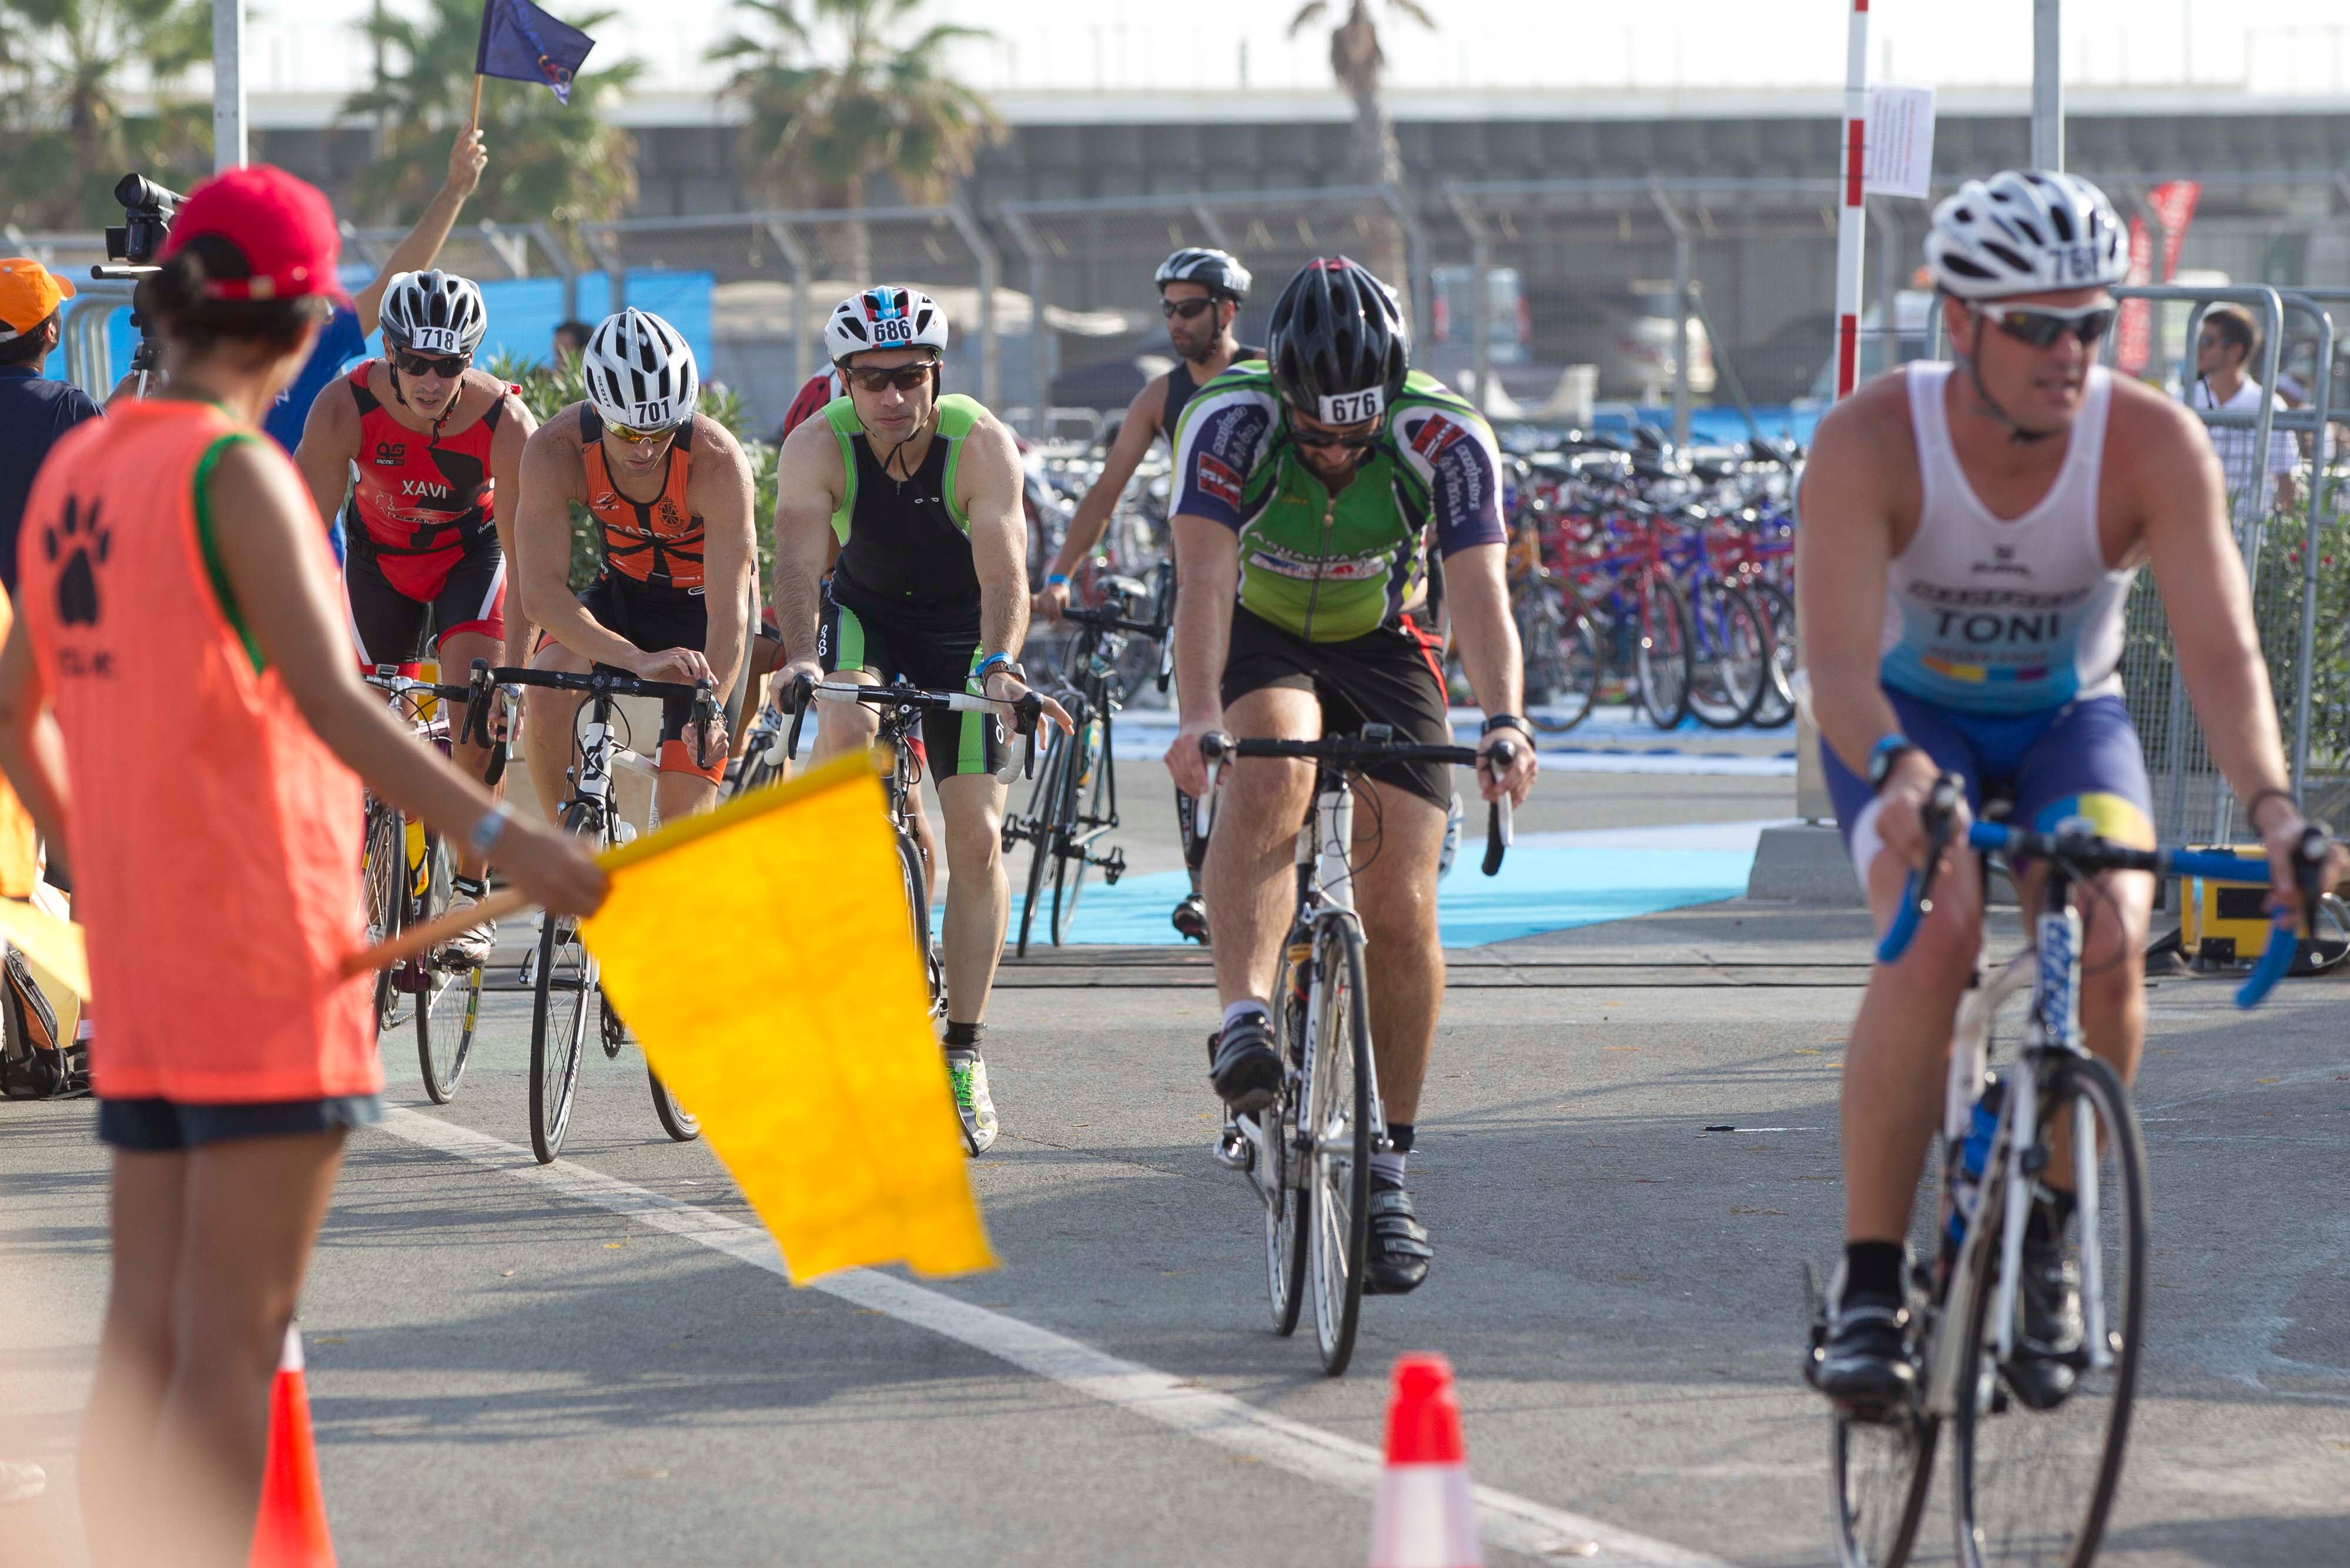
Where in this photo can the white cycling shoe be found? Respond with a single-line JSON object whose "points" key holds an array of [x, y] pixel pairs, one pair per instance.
{"points": [[967, 1072]]}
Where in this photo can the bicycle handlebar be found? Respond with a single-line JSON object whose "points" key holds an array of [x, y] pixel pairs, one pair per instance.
{"points": [[1024, 711], [604, 681], [1353, 752]]}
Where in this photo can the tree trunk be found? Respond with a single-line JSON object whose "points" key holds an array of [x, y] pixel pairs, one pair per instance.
{"points": [[1358, 62]]}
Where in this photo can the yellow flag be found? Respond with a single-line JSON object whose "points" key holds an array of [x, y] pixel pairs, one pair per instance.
{"points": [[763, 955], [52, 944]]}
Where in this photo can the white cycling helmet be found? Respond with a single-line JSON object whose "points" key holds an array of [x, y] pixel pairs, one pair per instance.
{"points": [[433, 312], [2027, 231], [1218, 271], [888, 315], [639, 371]]}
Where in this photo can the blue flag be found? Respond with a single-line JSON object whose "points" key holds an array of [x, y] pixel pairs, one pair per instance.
{"points": [[524, 44]]}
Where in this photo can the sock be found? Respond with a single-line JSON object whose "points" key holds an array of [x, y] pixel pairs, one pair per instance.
{"points": [[1245, 1005], [2051, 1211], [964, 1037], [1387, 1166], [1872, 1268]]}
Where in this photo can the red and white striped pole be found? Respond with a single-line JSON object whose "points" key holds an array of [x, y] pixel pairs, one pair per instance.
{"points": [[1851, 225]]}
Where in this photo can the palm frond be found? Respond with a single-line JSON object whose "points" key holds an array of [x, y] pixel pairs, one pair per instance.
{"points": [[1415, 11], [1313, 11]]}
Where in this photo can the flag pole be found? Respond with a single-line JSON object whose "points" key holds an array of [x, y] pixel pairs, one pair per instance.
{"points": [[475, 121]]}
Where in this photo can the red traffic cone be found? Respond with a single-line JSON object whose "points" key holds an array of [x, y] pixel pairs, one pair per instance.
{"points": [[1424, 1517], [290, 1531]]}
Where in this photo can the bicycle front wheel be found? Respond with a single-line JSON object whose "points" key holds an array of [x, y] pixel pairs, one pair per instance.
{"points": [[918, 914], [1091, 770], [563, 986], [1660, 655], [1776, 705], [2036, 1479], [1288, 1211], [1562, 656], [384, 888], [675, 1119], [450, 1003], [1731, 655], [1046, 829], [1338, 1148]]}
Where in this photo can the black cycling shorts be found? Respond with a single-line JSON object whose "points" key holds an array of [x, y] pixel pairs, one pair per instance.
{"points": [[465, 592], [657, 618], [889, 649], [1388, 677]]}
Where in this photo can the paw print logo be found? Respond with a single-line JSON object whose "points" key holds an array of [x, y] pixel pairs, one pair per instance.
{"points": [[670, 517], [83, 541]]}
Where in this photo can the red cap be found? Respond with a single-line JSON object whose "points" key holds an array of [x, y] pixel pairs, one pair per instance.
{"points": [[1423, 1418], [282, 226]]}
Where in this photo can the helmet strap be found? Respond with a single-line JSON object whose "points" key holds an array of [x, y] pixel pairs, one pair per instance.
{"points": [[2017, 433], [890, 462]]}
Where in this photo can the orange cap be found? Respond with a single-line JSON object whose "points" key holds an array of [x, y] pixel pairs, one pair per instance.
{"points": [[30, 295]]}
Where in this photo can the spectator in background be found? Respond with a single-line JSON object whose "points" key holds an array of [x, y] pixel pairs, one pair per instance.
{"points": [[34, 410], [570, 342], [2223, 346]]}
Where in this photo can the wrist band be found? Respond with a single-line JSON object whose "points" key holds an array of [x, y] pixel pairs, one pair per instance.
{"points": [[991, 663], [485, 834], [2253, 806], [1057, 579], [1508, 720]]}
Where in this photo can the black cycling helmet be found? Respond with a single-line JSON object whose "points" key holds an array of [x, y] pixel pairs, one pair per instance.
{"points": [[1218, 271], [1337, 344]]}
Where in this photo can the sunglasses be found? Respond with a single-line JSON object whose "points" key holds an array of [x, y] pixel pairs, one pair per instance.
{"points": [[1323, 437], [905, 377], [2041, 325], [1186, 308], [448, 367], [628, 437]]}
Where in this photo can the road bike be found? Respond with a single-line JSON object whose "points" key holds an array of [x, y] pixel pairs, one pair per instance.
{"points": [[1074, 802], [567, 987], [406, 873], [1308, 1154], [2039, 1437], [900, 707]]}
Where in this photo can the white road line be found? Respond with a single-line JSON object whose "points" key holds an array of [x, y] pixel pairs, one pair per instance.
{"points": [[1508, 1521]]}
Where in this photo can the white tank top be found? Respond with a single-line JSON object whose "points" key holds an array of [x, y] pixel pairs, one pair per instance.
{"points": [[1986, 615]]}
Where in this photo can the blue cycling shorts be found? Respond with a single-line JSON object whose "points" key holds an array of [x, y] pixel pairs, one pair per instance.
{"points": [[2082, 759]]}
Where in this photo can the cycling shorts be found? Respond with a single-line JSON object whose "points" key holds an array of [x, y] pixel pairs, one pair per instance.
{"points": [[394, 597], [2081, 759], [657, 618], [1389, 676], [864, 638]]}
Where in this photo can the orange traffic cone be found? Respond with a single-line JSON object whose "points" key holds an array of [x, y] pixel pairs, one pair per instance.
{"points": [[290, 1531], [1424, 1517]]}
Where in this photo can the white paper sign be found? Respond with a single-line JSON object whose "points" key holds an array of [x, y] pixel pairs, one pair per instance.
{"points": [[1899, 158]]}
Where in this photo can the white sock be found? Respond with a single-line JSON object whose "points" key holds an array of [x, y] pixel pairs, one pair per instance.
{"points": [[1388, 1167], [1245, 1005]]}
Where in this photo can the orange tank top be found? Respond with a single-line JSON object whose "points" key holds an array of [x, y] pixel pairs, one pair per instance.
{"points": [[657, 541], [214, 839]]}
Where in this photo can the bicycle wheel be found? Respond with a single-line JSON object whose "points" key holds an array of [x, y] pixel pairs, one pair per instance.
{"points": [[1089, 773], [2035, 1486], [918, 910], [1776, 705], [1562, 655], [1043, 830], [450, 1003], [1661, 653], [1731, 652], [675, 1119], [1338, 1145], [383, 884], [1286, 1209], [565, 986]]}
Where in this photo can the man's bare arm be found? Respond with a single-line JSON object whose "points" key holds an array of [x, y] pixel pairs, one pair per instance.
{"points": [[421, 246], [331, 439], [516, 427], [808, 482], [999, 537], [722, 498], [1126, 454], [1843, 547]]}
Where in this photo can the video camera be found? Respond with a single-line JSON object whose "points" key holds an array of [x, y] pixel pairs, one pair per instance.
{"points": [[147, 210]]}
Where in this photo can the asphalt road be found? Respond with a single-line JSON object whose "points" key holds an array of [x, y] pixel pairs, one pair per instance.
{"points": [[597, 1365]]}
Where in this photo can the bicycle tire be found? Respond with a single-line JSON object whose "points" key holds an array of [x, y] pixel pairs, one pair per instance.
{"points": [[1043, 831], [2010, 1461], [1776, 705], [676, 1121], [385, 851], [558, 1033], [1562, 654], [1070, 866], [1338, 1103], [1730, 651], [915, 886], [1661, 653], [1288, 1211], [444, 1032]]}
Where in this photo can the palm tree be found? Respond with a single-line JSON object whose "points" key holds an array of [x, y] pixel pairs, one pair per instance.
{"points": [[834, 99], [547, 161], [1358, 62], [64, 64]]}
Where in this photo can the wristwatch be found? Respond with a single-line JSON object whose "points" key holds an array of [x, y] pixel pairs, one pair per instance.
{"points": [[1507, 722], [1883, 756], [999, 661]]}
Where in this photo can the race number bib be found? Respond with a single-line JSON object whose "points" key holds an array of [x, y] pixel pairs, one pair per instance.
{"points": [[1352, 408], [435, 340]]}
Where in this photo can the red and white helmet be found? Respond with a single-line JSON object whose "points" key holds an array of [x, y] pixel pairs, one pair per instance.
{"points": [[888, 315]]}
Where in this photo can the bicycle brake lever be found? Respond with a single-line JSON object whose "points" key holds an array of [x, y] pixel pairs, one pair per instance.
{"points": [[2285, 937], [1498, 826], [802, 691]]}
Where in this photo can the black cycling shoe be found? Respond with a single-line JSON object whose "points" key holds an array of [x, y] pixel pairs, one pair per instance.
{"points": [[1191, 919], [1396, 1261], [2043, 1369], [1864, 1360], [1243, 1063]]}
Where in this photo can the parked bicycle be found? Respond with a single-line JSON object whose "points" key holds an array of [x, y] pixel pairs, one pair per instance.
{"points": [[1308, 1155], [2040, 1437]]}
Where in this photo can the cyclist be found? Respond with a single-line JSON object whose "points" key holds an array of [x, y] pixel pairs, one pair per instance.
{"points": [[669, 493], [424, 444], [1201, 293], [1312, 480], [1970, 534], [921, 493]]}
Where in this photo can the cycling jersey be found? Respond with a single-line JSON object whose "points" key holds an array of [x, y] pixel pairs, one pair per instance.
{"points": [[1181, 385], [905, 542], [1331, 567], [657, 541], [1986, 615], [417, 493]]}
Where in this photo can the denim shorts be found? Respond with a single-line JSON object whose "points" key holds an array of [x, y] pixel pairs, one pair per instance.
{"points": [[166, 1126]]}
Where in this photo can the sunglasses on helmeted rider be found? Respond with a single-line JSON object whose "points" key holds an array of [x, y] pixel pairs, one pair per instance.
{"points": [[1186, 308], [448, 367], [905, 377], [2042, 324], [1323, 436], [629, 437]]}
